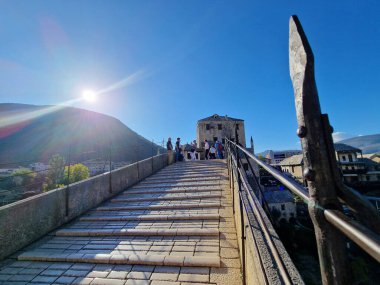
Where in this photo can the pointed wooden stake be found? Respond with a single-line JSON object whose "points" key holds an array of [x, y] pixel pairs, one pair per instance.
{"points": [[322, 190]]}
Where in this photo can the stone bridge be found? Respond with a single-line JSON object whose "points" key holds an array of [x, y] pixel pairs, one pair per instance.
{"points": [[173, 227]]}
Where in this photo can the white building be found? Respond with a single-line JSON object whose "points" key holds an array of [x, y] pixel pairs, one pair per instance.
{"points": [[39, 166], [275, 157]]}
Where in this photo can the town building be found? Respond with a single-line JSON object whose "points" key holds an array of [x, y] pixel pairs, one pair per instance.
{"points": [[275, 157], [97, 166], [281, 202], [39, 166], [294, 166], [373, 156], [217, 127], [354, 168]]}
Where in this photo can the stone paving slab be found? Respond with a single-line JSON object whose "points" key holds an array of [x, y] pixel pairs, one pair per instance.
{"points": [[139, 232], [159, 207], [153, 217], [157, 241], [169, 197], [162, 190]]}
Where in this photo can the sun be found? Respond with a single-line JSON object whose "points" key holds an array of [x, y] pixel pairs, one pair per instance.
{"points": [[89, 95]]}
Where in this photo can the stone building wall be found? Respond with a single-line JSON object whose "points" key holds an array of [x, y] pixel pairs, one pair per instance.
{"points": [[219, 127]]}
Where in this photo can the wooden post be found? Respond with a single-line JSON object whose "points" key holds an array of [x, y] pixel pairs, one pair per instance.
{"points": [[320, 179]]}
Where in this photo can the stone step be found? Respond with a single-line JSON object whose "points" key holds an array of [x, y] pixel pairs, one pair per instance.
{"points": [[179, 180], [183, 184], [166, 198], [159, 207], [180, 171], [138, 232], [171, 185], [188, 174], [151, 217], [132, 259], [157, 177], [160, 190]]}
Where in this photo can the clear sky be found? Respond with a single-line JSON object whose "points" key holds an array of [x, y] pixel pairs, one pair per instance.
{"points": [[162, 65]]}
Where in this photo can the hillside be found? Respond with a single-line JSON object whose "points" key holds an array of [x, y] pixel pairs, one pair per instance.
{"points": [[368, 144], [35, 133]]}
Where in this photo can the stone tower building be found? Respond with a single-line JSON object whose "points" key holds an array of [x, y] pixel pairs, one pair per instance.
{"points": [[218, 127]]}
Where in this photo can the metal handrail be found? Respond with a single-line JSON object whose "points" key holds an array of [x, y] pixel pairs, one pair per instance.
{"points": [[362, 236], [253, 203]]}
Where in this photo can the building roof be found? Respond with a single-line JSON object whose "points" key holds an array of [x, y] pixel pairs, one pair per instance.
{"points": [[218, 118], [371, 155], [282, 196], [293, 160], [368, 162], [341, 147]]}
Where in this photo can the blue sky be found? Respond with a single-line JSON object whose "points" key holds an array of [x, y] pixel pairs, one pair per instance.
{"points": [[165, 64]]}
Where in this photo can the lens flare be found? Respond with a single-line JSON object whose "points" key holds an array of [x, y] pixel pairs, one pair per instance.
{"points": [[89, 95]]}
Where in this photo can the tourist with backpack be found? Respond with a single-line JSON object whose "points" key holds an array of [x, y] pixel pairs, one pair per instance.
{"points": [[178, 150], [219, 149]]}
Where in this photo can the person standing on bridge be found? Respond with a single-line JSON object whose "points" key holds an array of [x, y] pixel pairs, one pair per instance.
{"points": [[169, 145], [178, 150], [207, 149]]}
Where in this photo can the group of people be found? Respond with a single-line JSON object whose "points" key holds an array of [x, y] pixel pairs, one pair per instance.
{"points": [[178, 148], [212, 151]]}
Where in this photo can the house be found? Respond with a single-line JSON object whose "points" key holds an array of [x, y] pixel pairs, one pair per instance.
{"points": [[354, 168], [373, 156], [275, 157], [217, 127], [39, 167], [281, 202], [348, 162], [294, 166]]}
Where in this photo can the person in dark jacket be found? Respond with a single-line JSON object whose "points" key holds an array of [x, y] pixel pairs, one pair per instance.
{"points": [[169, 145]]}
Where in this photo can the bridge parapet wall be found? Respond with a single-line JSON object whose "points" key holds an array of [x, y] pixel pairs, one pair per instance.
{"points": [[256, 252], [27, 220]]}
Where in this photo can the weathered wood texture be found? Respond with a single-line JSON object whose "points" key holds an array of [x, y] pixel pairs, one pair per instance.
{"points": [[322, 191]]}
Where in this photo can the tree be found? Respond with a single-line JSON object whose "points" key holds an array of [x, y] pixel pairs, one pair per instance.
{"points": [[77, 173], [56, 171], [24, 178]]}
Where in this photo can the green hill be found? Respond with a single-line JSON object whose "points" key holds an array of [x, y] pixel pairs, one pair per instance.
{"points": [[32, 133]]}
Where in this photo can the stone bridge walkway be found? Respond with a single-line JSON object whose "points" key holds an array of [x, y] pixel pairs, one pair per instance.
{"points": [[174, 228]]}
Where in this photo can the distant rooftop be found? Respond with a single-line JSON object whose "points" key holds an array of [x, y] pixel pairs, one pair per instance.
{"points": [[278, 196], [345, 147], [371, 155], [218, 118], [293, 160]]}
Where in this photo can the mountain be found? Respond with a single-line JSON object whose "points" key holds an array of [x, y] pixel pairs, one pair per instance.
{"points": [[31, 133], [368, 144]]}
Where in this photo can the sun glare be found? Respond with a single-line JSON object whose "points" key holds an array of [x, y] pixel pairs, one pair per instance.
{"points": [[89, 95]]}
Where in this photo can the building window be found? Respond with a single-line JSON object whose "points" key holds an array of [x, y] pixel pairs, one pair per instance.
{"points": [[207, 126], [282, 207], [223, 141], [343, 157], [215, 139], [292, 169], [219, 126], [237, 126], [350, 157]]}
